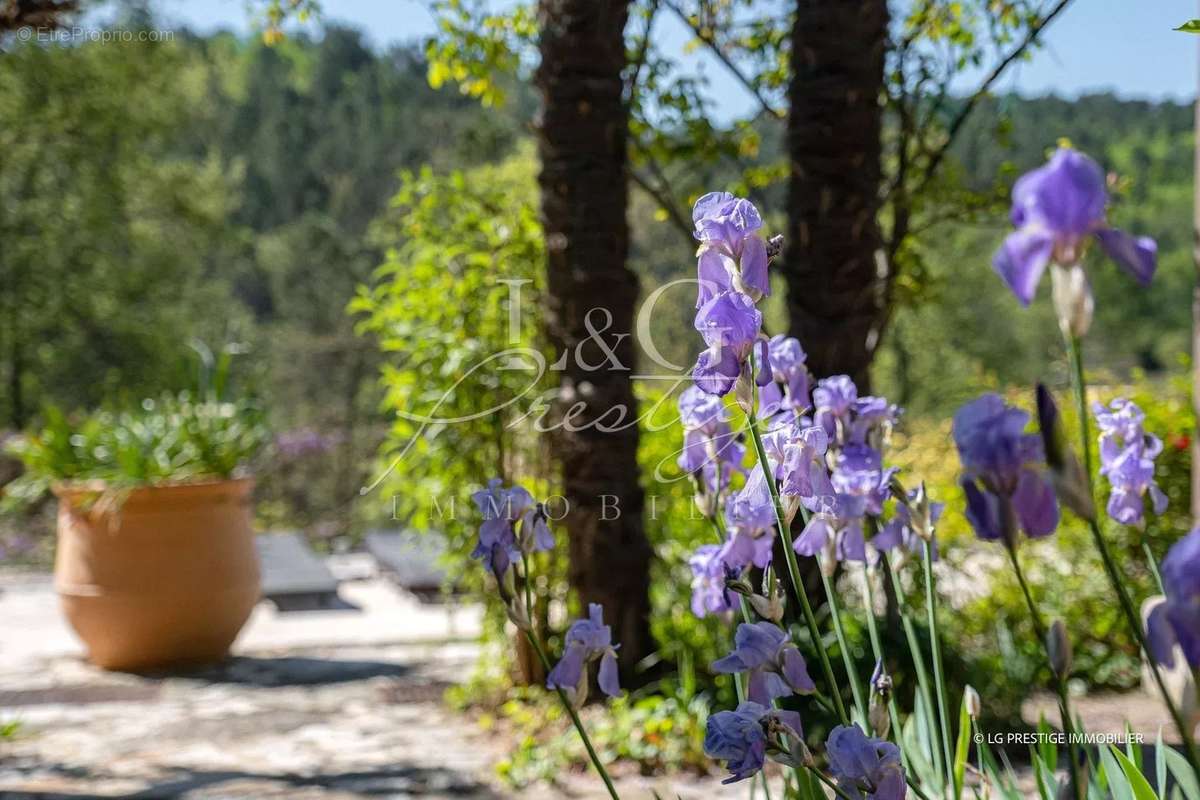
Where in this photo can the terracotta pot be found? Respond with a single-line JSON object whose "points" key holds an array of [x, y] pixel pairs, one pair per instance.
{"points": [[164, 575]]}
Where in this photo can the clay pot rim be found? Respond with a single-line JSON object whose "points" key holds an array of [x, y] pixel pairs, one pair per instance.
{"points": [[75, 493]]}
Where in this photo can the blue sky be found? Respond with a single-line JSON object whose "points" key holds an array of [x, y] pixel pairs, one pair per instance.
{"points": [[1125, 46]]}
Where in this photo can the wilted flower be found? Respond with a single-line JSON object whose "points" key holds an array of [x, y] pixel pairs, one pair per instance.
{"points": [[899, 531], [732, 255], [512, 524], [772, 662], [729, 323], [865, 767], [1177, 620], [743, 738], [1001, 471], [1056, 209], [586, 640], [1127, 456]]}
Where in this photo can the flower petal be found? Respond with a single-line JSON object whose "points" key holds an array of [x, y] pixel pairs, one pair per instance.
{"points": [[567, 673], [1035, 504], [716, 376], [1160, 636], [609, 683], [795, 671], [754, 265], [1138, 255], [1022, 259]]}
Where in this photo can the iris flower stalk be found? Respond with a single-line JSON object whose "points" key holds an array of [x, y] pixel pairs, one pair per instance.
{"points": [[918, 659], [1060, 677], [739, 685], [562, 695], [877, 652], [797, 590], [790, 558], [935, 654], [514, 526], [1074, 346], [835, 617], [1057, 209]]}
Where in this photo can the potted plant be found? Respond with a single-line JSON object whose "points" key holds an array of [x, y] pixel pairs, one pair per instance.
{"points": [[155, 562]]}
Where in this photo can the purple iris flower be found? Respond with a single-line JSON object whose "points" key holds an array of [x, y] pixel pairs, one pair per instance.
{"points": [[864, 767], [1056, 208], [898, 532], [789, 389], [740, 738], [773, 664], [709, 572], [729, 323], [1002, 475], [803, 472], [859, 475], [846, 417], [1176, 621], [713, 564], [1127, 456], [860, 486], [837, 529], [832, 401], [501, 541], [732, 254], [708, 441], [586, 640], [751, 509]]}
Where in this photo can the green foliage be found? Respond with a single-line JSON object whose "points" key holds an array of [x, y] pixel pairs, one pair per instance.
{"points": [[1191, 26], [215, 188], [454, 308], [655, 732], [172, 439], [475, 47], [112, 238]]}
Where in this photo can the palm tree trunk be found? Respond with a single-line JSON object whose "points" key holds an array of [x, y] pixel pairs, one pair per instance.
{"points": [[582, 143], [836, 287]]}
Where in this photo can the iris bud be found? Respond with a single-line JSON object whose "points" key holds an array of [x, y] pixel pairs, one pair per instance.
{"points": [[1072, 299], [972, 702], [1058, 648]]}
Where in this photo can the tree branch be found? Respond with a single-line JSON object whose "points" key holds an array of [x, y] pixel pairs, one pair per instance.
{"points": [[639, 61], [659, 196], [972, 101], [707, 38]]}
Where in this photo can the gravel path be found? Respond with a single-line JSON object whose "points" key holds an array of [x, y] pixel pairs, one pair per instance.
{"points": [[327, 705]]}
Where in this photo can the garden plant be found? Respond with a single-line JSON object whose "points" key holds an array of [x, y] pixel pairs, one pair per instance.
{"points": [[819, 491]]}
